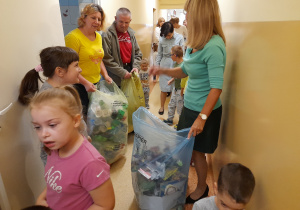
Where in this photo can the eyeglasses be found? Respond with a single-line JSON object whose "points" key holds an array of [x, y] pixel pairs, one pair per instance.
{"points": [[173, 54]]}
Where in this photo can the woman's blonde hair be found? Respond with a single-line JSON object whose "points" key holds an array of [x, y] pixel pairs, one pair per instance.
{"points": [[161, 19], [204, 21], [88, 10]]}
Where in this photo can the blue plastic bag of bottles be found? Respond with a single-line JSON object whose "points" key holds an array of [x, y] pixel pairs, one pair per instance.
{"points": [[107, 121], [160, 162]]}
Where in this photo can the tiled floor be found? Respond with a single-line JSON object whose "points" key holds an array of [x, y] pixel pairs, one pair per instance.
{"points": [[120, 170]]}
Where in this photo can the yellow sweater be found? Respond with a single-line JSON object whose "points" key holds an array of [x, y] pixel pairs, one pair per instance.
{"points": [[184, 83], [90, 53]]}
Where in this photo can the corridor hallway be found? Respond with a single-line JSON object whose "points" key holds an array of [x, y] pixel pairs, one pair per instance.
{"points": [[121, 170]]}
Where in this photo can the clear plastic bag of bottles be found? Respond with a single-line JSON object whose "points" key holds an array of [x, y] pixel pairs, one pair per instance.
{"points": [[160, 163], [107, 121]]}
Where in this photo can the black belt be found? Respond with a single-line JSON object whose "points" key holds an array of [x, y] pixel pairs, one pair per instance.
{"points": [[127, 66]]}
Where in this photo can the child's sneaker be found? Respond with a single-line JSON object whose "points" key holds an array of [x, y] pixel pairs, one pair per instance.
{"points": [[169, 122], [147, 106], [175, 126]]}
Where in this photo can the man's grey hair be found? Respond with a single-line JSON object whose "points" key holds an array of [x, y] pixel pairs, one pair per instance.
{"points": [[123, 11]]}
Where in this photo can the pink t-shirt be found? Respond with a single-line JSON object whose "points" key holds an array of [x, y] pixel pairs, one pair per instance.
{"points": [[70, 179]]}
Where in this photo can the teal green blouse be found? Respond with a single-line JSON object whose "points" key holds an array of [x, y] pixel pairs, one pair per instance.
{"points": [[205, 69]]}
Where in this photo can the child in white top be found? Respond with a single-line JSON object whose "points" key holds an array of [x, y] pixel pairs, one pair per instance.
{"points": [[233, 190], [76, 175], [179, 28], [144, 76]]}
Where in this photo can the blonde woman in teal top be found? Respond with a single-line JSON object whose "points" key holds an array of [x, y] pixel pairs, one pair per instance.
{"points": [[204, 63], [205, 69]]}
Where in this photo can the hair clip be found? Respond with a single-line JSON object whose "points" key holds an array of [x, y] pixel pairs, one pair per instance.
{"points": [[38, 68]]}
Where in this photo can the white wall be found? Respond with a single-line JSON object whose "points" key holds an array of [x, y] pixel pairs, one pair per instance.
{"points": [[142, 10], [26, 28], [261, 98], [142, 19], [258, 10]]}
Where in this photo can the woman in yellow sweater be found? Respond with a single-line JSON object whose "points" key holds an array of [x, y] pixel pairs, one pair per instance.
{"points": [[88, 44]]}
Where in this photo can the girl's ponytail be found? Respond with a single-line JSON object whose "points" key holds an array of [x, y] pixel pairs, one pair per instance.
{"points": [[29, 86], [51, 57]]}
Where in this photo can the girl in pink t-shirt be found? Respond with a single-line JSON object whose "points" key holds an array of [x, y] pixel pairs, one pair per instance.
{"points": [[77, 176]]}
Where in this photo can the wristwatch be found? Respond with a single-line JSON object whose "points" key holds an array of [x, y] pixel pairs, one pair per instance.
{"points": [[203, 116]]}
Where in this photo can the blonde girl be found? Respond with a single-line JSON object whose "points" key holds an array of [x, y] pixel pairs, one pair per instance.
{"points": [[156, 36], [76, 175]]}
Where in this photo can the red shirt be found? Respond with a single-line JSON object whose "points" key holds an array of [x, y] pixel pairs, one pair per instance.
{"points": [[125, 46]]}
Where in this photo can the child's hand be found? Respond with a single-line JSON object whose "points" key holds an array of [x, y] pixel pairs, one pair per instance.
{"points": [[170, 81]]}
